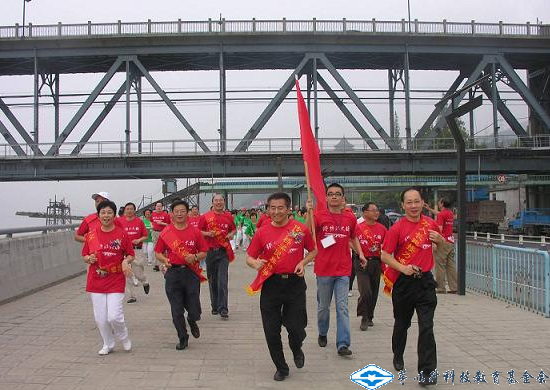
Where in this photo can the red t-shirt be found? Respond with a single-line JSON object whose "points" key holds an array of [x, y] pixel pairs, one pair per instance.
{"points": [[265, 240], [90, 223], [446, 218], [224, 221], [135, 229], [377, 232], [115, 245], [194, 221], [191, 238], [399, 234], [159, 217], [334, 260], [263, 219]]}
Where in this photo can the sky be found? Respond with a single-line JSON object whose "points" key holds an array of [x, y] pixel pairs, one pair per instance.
{"points": [[204, 116]]}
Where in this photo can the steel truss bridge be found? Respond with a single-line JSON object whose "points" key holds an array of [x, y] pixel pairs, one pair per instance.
{"points": [[494, 51]]}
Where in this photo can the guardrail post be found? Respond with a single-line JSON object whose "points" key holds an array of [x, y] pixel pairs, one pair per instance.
{"points": [[543, 241], [520, 241], [528, 28], [253, 24], [148, 26], [373, 25], [314, 24], [473, 22], [502, 238], [119, 27], [284, 24], [444, 26], [17, 30], [209, 24], [223, 24], [488, 237], [494, 258], [500, 27], [179, 26], [547, 284], [416, 26], [344, 25], [30, 30], [403, 28], [59, 30]]}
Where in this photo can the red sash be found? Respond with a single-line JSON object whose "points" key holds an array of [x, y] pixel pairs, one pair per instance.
{"points": [[174, 243], [282, 246], [406, 253], [212, 225], [371, 241]]}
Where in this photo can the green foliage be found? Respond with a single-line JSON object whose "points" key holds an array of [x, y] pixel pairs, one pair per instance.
{"points": [[384, 199]]}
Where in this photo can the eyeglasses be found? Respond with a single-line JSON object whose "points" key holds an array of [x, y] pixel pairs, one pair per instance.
{"points": [[336, 194]]}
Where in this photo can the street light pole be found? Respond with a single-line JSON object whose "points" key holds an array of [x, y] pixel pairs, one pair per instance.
{"points": [[409, 11], [24, 3]]}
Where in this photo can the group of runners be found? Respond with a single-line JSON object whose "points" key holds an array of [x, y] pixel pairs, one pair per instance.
{"points": [[279, 244]]}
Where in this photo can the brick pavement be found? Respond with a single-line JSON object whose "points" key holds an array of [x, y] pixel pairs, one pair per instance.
{"points": [[49, 340]]}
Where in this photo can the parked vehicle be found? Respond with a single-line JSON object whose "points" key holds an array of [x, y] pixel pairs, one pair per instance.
{"points": [[531, 222], [485, 215]]}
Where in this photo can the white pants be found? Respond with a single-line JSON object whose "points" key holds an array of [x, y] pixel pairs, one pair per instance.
{"points": [[109, 317], [149, 252]]}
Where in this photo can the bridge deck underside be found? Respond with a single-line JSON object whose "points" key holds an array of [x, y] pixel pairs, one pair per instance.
{"points": [[182, 53]]}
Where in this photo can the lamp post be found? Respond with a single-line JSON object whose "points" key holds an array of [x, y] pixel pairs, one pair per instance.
{"points": [[24, 3], [408, 9]]}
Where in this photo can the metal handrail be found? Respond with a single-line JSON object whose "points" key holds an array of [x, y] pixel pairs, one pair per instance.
{"points": [[269, 145], [9, 232], [284, 26]]}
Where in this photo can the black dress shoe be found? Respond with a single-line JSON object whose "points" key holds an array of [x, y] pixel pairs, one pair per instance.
{"points": [[299, 358], [398, 363], [146, 288], [322, 340], [427, 382], [364, 324], [182, 344], [279, 376], [214, 312], [195, 331], [344, 351], [156, 268], [370, 323], [224, 315]]}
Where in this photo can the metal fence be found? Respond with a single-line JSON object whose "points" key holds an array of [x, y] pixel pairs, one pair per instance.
{"points": [[518, 276], [342, 26], [272, 145]]}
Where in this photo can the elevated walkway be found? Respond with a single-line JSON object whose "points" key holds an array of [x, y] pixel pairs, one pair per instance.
{"points": [[49, 341]]}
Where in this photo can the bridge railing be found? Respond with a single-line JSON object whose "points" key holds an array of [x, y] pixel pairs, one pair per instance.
{"points": [[210, 26], [271, 145], [518, 276]]}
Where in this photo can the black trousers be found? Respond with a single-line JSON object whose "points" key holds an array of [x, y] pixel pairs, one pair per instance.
{"points": [[410, 294], [354, 258], [368, 282], [283, 302], [217, 269], [182, 288]]}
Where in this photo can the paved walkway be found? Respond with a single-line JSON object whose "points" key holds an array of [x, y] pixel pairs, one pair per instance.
{"points": [[49, 340]]}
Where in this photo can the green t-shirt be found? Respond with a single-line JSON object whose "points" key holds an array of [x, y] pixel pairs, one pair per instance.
{"points": [[149, 227], [250, 227]]}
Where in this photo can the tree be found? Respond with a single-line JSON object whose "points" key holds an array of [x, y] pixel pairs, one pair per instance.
{"points": [[384, 199]]}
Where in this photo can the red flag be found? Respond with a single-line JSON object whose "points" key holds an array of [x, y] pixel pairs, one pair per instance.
{"points": [[310, 153]]}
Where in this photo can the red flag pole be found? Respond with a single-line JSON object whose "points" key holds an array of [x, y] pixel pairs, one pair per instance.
{"points": [[312, 227]]}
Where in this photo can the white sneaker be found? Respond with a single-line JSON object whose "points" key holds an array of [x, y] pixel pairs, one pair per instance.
{"points": [[105, 350], [350, 294], [135, 281], [127, 344]]}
